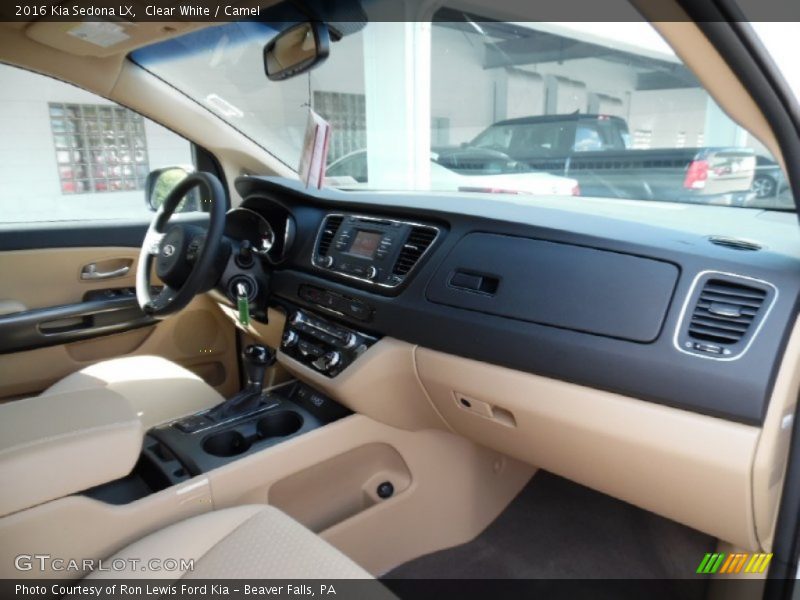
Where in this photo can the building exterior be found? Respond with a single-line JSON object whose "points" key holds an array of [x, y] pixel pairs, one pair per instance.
{"points": [[69, 154]]}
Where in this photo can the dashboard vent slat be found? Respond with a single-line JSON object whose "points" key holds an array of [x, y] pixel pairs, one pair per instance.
{"points": [[725, 312], [415, 246], [329, 229]]}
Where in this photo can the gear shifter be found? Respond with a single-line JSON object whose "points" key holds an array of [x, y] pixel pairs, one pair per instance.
{"points": [[256, 359]]}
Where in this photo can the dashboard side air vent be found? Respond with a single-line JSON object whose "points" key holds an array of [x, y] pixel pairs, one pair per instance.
{"points": [[329, 228], [723, 315], [419, 240]]}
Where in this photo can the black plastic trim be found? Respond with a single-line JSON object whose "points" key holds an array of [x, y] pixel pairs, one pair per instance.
{"points": [[83, 234], [24, 330], [656, 371], [583, 289]]}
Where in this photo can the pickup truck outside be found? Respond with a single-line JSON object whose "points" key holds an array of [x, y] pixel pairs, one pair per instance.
{"points": [[594, 150]]}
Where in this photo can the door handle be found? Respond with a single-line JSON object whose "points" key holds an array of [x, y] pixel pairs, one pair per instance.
{"points": [[90, 272]]}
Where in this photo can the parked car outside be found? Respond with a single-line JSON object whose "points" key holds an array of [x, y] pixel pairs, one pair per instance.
{"points": [[594, 150], [351, 171]]}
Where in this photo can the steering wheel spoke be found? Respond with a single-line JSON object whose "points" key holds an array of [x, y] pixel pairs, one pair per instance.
{"points": [[164, 297], [152, 242]]}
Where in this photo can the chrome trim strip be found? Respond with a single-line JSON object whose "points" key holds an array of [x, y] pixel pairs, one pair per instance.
{"points": [[682, 316], [315, 262]]}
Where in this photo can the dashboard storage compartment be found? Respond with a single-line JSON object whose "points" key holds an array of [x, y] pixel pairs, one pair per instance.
{"points": [[621, 446], [343, 486], [560, 285]]}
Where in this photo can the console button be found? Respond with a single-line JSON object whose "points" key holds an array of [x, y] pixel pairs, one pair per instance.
{"points": [[309, 349], [192, 423], [311, 294], [359, 310]]}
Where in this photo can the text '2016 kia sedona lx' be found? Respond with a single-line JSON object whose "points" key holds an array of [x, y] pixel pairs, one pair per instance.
{"points": [[315, 298]]}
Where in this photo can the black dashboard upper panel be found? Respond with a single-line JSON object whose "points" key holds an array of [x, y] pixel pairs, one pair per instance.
{"points": [[585, 347], [584, 289]]}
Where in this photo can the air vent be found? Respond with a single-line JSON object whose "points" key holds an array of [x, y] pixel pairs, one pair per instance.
{"points": [[726, 312], [417, 243], [329, 229], [734, 243]]}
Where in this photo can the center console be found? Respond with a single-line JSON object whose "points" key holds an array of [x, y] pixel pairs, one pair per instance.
{"points": [[250, 421], [179, 450]]}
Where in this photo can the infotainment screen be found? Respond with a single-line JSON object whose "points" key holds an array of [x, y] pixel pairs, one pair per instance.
{"points": [[365, 244]]}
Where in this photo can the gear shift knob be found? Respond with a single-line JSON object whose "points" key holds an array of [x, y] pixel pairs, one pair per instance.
{"points": [[256, 359]]}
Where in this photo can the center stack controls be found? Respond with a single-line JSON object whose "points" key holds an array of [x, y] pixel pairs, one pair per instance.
{"points": [[324, 346], [381, 252]]}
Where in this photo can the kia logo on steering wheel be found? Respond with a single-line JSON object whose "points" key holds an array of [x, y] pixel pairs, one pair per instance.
{"points": [[168, 250]]}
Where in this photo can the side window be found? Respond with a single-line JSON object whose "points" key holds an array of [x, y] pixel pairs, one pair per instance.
{"points": [[587, 139], [68, 154]]}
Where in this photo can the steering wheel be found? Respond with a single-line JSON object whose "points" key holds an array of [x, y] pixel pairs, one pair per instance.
{"points": [[185, 255]]}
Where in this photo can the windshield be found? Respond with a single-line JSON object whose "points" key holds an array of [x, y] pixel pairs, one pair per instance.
{"points": [[470, 105]]}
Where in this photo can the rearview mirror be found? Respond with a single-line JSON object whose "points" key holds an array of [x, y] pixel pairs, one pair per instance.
{"points": [[296, 50], [159, 184]]}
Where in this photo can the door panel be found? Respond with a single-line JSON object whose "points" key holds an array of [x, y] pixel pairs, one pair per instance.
{"points": [[48, 277], [199, 337]]}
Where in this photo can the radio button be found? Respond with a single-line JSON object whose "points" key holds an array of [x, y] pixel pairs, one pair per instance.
{"points": [[359, 310]]}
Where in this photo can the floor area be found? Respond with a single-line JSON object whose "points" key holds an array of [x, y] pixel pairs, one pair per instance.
{"points": [[556, 529]]}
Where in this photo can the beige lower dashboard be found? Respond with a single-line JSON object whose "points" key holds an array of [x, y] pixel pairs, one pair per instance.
{"points": [[717, 476], [690, 468]]}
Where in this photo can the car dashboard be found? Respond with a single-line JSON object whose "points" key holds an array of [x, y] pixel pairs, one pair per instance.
{"points": [[648, 312]]}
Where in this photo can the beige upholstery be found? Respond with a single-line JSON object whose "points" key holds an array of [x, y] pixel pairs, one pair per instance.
{"points": [[245, 542], [55, 445], [158, 390]]}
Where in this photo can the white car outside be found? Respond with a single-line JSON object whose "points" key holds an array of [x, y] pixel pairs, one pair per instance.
{"points": [[350, 171]]}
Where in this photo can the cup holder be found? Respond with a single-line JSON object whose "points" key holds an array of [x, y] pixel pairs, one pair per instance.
{"points": [[279, 424], [226, 443], [238, 441]]}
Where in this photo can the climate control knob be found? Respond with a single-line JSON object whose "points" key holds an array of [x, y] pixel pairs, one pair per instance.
{"points": [[372, 272], [350, 340], [326, 261], [331, 360], [289, 339]]}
